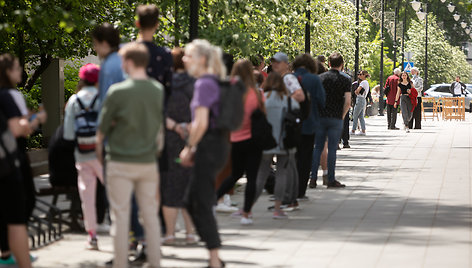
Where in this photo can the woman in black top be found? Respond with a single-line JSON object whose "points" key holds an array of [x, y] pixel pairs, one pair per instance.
{"points": [[403, 92]]}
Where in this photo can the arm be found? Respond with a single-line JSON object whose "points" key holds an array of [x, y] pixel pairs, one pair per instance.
{"points": [[69, 120], [397, 97], [294, 87], [298, 95], [197, 129], [99, 145], [347, 103], [19, 127]]}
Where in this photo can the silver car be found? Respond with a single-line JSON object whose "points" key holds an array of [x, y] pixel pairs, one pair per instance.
{"points": [[442, 90]]}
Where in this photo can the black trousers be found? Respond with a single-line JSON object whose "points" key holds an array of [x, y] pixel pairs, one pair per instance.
{"points": [[304, 157], [200, 195], [416, 118], [245, 158], [391, 116], [345, 134]]}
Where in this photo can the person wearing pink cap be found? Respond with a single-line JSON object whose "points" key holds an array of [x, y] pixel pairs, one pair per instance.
{"points": [[80, 122]]}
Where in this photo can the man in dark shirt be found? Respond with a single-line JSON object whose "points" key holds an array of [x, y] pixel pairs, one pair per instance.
{"points": [[392, 84], [338, 101]]}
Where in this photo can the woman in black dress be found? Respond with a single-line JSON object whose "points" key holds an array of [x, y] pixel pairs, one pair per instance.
{"points": [[175, 179], [403, 95]]}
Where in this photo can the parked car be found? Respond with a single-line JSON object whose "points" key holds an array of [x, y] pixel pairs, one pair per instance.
{"points": [[442, 90]]}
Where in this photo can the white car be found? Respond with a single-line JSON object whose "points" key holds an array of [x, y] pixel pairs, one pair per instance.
{"points": [[442, 90]]}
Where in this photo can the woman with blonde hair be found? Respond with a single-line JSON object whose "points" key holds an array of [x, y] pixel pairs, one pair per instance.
{"points": [[207, 147]]}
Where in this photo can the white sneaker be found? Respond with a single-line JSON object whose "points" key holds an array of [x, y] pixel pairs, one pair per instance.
{"points": [[222, 207], [407, 130], [246, 221], [227, 200], [103, 228]]}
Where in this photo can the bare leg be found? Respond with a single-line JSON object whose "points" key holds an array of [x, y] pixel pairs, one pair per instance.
{"points": [[188, 222], [324, 157], [170, 218], [18, 241], [214, 258]]}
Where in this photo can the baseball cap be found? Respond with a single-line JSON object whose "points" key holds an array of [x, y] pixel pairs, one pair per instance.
{"points": [[89, 72], [279, 57]]}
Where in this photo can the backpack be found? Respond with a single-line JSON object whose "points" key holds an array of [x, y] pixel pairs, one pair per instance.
{"points": [[292, 126], [261, 131], [8, 149], [305, 105], [86, 127], [231, 108]]}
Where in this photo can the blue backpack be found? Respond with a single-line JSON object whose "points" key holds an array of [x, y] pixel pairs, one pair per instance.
{"points": [[86, 127]]}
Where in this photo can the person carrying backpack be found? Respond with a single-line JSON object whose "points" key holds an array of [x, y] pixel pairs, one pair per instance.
{"points": [[80, 125]]}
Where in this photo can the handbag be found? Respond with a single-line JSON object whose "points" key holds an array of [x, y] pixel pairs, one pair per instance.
{"points": [[261, 131]]}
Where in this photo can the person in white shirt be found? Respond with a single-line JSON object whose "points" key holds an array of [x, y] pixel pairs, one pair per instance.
{"points": [[457, 88], [359, 109]]}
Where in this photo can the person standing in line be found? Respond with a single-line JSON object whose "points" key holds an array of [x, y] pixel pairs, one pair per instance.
{"points": [[392, 85], [88, 166], [418, 85], [245, 153], [207, 147], [457, 88], [130, 120], [175, 179], [305, 70], [106, 42], [359, 109], [338, 101], [403, 97], [19, 185]]}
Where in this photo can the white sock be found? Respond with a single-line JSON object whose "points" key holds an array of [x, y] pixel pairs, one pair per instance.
{"points": [[325, 172]]}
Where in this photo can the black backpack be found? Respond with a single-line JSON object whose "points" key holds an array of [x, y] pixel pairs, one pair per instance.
{"points": [[305, 105], [231, 104], [86, 127], [292, 127], [8, 149], [261, 131]]}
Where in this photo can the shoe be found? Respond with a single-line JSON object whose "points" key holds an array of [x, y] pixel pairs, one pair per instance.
{"points": [[287, 209], [407, 130], [239, 214], [140, 258], [222, 207], [222, 265], [246, 221], [103, 228], [190, 239], [168, 240], [346, 146], [353, 132], [303, 198], [312, 183], [227, 200], [8, 261], [361, 133], [92, 244], [335, 184], [395, 128], [325, 179], [279, 215]]}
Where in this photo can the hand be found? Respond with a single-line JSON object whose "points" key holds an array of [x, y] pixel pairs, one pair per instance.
{"points": [[99, 153], [186, 157], [395, 105], [179, 130], [409, 91], [42, 116]]}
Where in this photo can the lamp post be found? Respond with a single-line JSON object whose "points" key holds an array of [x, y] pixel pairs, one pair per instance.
{"points": [[423, 15], [307, 28], [193, 27], [381, 105], [356, 55]]}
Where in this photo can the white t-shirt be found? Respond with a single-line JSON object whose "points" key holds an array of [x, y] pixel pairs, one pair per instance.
{"points": [[291, 83], [365, 85], [19, 101], [457, 88]]}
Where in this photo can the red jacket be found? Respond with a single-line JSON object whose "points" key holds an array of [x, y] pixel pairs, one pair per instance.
{"points": [[392, 82], [413, 97]]}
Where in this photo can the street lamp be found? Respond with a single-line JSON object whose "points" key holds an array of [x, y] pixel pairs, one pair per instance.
{"points": [[463, 24], [423, 15], [416, 5], [451, 7], [467, 30], [443, 1], [456, 16]]}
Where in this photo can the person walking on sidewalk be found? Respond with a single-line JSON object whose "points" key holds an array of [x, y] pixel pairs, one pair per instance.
{"points": [[207, 147], [391, 87], [359, 109], [305, 70], [245, 153], [418, 85], [457, 88], [338, 101], [81, 111], [403, 97], [130, 119]]}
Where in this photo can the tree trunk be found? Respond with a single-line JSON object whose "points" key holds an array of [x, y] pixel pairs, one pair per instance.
{"points": [[44, 64]]}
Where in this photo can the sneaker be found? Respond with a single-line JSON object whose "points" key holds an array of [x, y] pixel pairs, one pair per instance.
{"points": [[407, 130], [222, 207], [246, 221], [287, 209], [92, 244], [103, 228], [303, 198], [227, 200], [140, 258], [346, 146], [278, 215], [8, 261], [361, 133], [335, 184], [312, 184], [239, 214]]}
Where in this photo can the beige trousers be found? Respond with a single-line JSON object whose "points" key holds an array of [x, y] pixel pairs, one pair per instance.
{"points": [[122, 179]]}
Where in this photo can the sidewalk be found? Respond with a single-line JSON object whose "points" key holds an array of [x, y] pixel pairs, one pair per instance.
{"points": [[407, 204]]}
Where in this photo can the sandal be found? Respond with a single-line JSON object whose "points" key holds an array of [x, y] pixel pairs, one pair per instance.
{"points": [[168, 240], [222, 265], [190, 239]]}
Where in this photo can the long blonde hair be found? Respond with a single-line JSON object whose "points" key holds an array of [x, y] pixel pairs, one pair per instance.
{"points": [[212, 54]]}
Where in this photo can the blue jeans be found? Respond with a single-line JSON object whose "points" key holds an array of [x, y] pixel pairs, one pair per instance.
{"points": [[358, 114], [330, 128]]}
